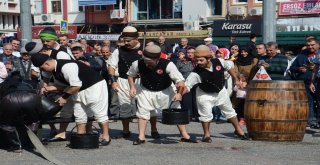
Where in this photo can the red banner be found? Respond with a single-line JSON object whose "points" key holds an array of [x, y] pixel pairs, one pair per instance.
{"points": [[72, 31], [300, 7]]}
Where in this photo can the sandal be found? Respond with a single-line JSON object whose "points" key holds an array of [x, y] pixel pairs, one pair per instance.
{"points": [[124, 135], [138, 142], [206, 139], [242, 137], [104, 142], [190, 140], [155, 135]]}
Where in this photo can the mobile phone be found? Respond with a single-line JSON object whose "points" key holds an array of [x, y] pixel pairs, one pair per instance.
{"points": [[261, 62]]}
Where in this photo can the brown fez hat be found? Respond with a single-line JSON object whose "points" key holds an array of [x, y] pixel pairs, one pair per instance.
{"points": [[152, 51], [130, 31]]}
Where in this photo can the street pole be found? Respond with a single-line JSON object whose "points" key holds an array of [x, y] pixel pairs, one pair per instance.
{"points": [[144, 35], [269, 21], [26, 21]]}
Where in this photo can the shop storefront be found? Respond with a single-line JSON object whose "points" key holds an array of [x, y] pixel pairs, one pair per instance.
{"points": [[172, 37], [291, 32], [222, 30], [295, 30]]}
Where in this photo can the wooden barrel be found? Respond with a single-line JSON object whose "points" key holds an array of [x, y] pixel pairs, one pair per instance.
{"points": [[276, 110]]}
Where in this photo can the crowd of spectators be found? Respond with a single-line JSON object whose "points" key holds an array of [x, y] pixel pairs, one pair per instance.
{"points": [[244, 59]]}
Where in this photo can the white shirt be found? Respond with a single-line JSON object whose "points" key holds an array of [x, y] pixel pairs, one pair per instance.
{"points": [[61, 55], [171, 69], [114, 59], [194, 78], [240, 92], [16, 53], [3, 72], [289, 65], [70, 72], [64, 56]]}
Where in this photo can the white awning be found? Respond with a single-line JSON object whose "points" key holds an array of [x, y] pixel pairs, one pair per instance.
{"points": [[96, 2]]}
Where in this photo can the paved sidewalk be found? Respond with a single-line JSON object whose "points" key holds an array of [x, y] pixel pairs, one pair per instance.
{"points": [[225, 149]]}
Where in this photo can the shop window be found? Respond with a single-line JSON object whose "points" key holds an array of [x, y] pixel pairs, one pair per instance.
{"points": [[14, 21], [159, 9], [56, 6], [116, 6], [177, 8], [100, 8], [12, 6], [81, 8], [3, 21], [166, 9], [216, 7], [38, 6], [154, 9], [239, 1], [142, 9]]}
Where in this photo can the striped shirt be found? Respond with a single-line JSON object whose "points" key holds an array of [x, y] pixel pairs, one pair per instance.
{"points": [[278, 66]]}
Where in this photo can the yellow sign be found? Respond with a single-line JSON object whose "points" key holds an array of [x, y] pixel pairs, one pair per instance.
{"points": [[175, 34]]}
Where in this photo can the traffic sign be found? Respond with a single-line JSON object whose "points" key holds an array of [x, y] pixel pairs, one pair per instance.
{"points": [[64, 26]]}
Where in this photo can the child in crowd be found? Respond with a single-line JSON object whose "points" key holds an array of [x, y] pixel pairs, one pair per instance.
{"points": [[185, 67], [241, 92]]}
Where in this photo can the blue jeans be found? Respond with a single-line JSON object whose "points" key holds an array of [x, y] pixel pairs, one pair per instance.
{"points": [[313, 103], [217, 115]]}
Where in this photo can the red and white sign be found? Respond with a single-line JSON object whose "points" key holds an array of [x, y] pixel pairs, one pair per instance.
{"points": [[101, 37], [299, 7], [72, 31]]}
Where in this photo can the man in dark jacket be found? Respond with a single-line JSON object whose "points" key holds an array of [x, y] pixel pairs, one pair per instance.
{"points": [[183, 45], [165, 47], [251, 45], [302, 68], [85, 58]]}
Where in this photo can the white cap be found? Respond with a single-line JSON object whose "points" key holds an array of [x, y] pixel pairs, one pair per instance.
{"points": [[129, 29], [23, 50], [208, 39]]}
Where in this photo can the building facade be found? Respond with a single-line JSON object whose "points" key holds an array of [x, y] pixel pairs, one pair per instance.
{"points": [[83, 17], [9, 16], [54, 11], [172, 18], [296, 20]]}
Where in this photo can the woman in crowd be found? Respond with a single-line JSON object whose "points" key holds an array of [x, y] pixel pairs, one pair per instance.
{"points": [[234, 52], [245, 63]]}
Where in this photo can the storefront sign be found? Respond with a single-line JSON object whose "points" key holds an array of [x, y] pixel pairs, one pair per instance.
{"points": [[175, 34], [236, 28], [299, 7], [298, 24], [111, 37], [72, 31]]}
